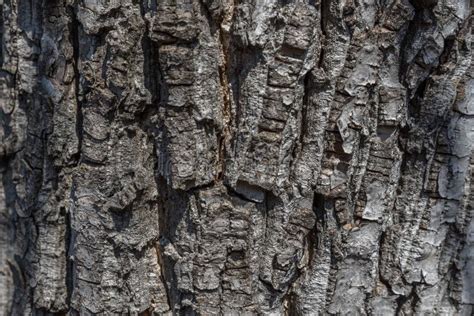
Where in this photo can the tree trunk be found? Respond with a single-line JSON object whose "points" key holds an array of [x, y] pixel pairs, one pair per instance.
{"points": [[222, 157]]}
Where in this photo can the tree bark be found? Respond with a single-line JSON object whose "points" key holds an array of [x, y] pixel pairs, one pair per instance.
{"points": [[223, 157]]}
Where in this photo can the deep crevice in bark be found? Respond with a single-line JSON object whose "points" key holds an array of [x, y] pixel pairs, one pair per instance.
{"points": [[75, 41]]}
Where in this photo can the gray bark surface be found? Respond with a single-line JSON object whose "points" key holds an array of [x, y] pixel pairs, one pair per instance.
{"points": [[224, 157]]}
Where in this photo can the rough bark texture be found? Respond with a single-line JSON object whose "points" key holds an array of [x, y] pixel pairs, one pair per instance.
{"points": [[230, 157]]}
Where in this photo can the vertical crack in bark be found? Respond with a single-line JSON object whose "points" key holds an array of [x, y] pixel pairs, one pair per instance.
{"points": [[69, 241], [2, 31], [153, 76], [225, 137], [314, 237], [324, 15], [73, 26], [290, 304], [162, 270], [382, 279], [75, 41], [19, 279], [307, 89]]}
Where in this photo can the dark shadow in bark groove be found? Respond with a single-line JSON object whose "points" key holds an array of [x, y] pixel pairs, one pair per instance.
{"points": [[309, 89], [151, 69], [173, 208], [2, 31], [244, 60], [74, 29], [19, 281], [314, 237], [69, 245]]}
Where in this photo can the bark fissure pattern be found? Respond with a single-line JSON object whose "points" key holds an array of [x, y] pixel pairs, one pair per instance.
{"points": [[224, 157]]}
